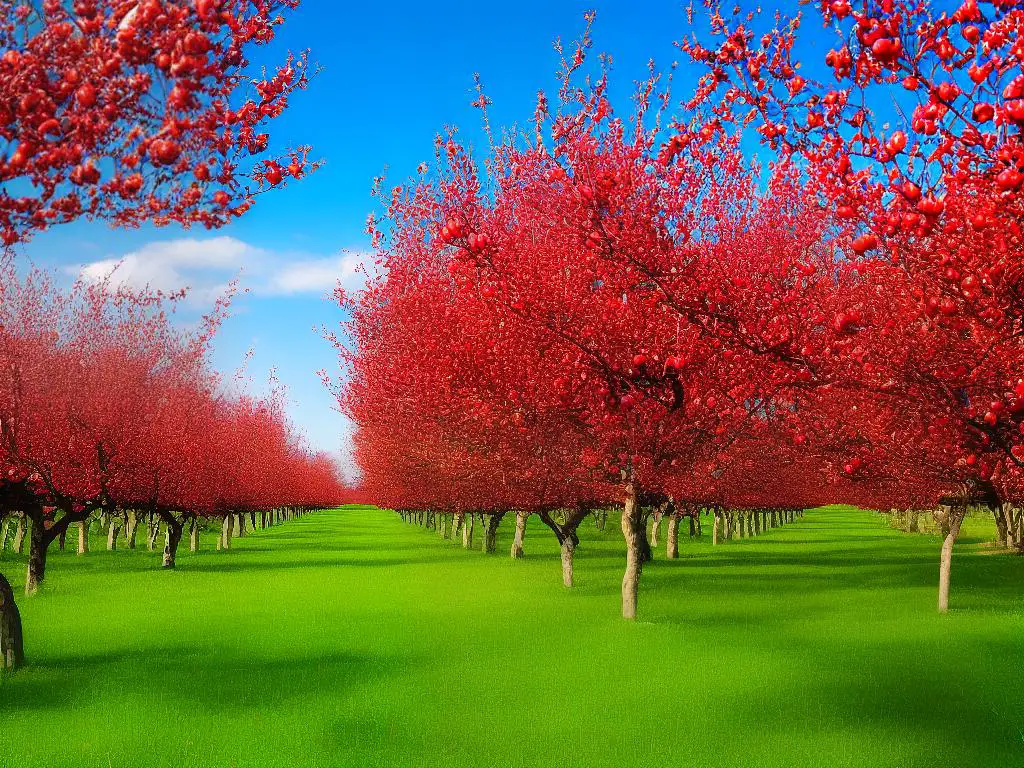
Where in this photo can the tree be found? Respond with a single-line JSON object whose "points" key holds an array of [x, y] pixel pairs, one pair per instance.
{"points": [[139, 111], [640, 291], [932, 191]]}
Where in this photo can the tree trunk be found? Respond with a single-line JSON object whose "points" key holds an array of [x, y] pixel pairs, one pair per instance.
{"points": [[568, 549], [672, 543], [467, 531], [517, 541], [83, 537], [1014, 534], [19, 535], [457, 525], [632, 528], [491, 533], [132, 530], [193, 536], [225, 533], [646, 555], [113, 532], [63, 539], [913, 524], [714, 529], [999, 513], [36, 558], [5, 532], [171, 542], [154, 532], [951, 531], [12, 648], [656, 527]]}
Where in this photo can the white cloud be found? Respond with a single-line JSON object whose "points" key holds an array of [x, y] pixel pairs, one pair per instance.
{"points": [[206, 266], [320, 275]]}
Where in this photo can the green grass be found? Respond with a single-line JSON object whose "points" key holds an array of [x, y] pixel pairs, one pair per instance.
{"points": [[348, 638]]}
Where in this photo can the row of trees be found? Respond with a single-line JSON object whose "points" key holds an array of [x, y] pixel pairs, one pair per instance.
{"points": [[121, 529], [725, 525], [107, 407], [131, 112], [632, 311]]}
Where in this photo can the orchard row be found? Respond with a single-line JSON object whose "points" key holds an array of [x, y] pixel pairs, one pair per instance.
{"points": [[631, 311], [109, 409], [565, 525], [146, 111]]}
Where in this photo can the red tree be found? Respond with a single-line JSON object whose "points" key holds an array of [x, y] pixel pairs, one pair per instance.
{"points": [[139, 111]]}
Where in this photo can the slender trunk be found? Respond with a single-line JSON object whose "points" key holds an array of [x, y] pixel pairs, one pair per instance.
{"points": [[63, 539], [154, 533], [1013, 528], [656, 527], [5, 532], [646, 555], [693, 525], [467, 531], [491, 532], [38, 545], [83, 537], [913, 524], [999, 513], [952, 530], [225, 533], [252, 520], [672, 543], [517, 541], [12, 648], [171, 541], [131, 532], [113, 532], [457, 525], [632, 527], [568, 549], [19, 535], [714, 530], [193, 536]]}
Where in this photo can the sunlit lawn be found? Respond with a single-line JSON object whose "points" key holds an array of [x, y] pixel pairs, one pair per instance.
{"points": [[349, 638]]}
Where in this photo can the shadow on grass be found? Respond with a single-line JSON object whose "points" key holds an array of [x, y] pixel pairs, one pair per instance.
{"points": [[205, 679]]}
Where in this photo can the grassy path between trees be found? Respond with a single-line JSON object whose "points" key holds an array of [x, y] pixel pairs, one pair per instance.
{"points": [[351, 639]]}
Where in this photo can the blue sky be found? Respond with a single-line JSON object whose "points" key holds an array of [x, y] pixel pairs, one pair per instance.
{"points": [[394, 75]]}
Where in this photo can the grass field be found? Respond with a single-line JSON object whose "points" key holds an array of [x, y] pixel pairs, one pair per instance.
{"points": [[348, 638]]}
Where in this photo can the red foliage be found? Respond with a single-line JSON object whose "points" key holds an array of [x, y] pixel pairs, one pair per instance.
{"points": [[104, 404], [609, 305], [139, 110]]}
